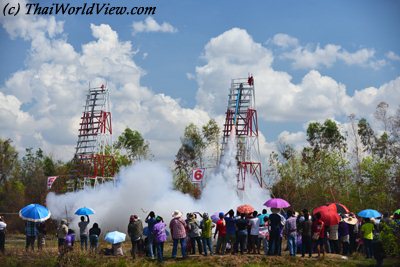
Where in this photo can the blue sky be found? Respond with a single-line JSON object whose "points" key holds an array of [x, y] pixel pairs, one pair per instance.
{"points": [[356, 44]]}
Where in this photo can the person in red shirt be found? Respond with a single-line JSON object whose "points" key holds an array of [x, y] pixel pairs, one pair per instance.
{"points": [[221, 230], [318, 229]]}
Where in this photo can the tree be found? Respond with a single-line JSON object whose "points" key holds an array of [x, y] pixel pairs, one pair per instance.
{"points": [[191, 154], [325, 136], [211, 133], [8, 159], [381, 114], [132, 142], [366, 134], [33, 176]]}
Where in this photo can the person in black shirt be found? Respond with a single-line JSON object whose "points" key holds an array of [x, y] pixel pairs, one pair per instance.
{"points": [[275, 225], [241, 225], [94, 234]]}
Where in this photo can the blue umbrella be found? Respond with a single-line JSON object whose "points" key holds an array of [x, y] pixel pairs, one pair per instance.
{"points": [[34, 213], [84, 211], [115, 237], [369, 213]]}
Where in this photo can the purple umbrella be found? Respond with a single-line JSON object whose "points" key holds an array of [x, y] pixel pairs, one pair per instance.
{"points": [[215, 217], [277, 203]]}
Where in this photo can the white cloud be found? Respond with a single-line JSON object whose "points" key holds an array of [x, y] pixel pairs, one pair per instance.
{"points": [[40, 105], [298, 139], [392, 56], [307, 58], [151, 25], [314, 56], [284, 40], [53, 85]]}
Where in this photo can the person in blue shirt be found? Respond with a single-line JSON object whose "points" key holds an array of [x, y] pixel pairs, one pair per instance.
{"points": [[151, 221], [31, 233], [231, 230]]}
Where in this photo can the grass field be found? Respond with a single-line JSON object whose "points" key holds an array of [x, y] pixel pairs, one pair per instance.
{"points": [[16, 256]]}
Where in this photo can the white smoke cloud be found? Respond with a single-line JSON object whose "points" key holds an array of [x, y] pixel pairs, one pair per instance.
{"points": [[147, 186]]}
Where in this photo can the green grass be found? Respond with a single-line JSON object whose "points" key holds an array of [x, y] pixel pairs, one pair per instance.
{"points": [[16, 256]]}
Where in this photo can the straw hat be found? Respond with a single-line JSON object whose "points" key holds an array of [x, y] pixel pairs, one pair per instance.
{"points": [[176, 214], [350, 220]]}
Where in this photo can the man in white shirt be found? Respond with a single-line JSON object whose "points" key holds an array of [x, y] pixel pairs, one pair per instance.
{"points": [[254, 223]]}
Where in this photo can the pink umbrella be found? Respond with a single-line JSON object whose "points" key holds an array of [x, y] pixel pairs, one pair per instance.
{"points": [[277, 203]]}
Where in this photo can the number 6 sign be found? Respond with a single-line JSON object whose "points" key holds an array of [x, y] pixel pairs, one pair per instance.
{"points": [[197, 175]]}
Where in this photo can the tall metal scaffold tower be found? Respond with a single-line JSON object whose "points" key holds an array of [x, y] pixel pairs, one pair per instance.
{"points": [[241, 121], [94, 161]]}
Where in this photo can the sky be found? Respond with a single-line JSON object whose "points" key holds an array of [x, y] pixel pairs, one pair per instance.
{"points": [[311, 60]]}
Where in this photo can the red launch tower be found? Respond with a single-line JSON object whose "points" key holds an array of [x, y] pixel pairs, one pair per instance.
{"points": [[241, 120], [94, 160]]}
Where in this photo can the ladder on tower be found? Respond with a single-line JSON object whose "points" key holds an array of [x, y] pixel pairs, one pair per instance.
{"points": [[241, 121]]}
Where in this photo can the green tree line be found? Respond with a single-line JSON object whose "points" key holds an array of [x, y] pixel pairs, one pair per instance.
{"points": [[359, 168]]}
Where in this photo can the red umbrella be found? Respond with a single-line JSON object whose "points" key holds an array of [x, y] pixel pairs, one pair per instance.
{"points": [[340, 208], [328, 215], [246, 208]]}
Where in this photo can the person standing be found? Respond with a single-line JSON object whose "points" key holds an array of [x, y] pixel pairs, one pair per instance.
{"points": [[306, 241], [231, 230], [254, 225], [178, 233], [94, 234], [151, 221], [41, 227], [3, 226], [352, 222], [291, 233], [241, 225], [160, 236], [135, 231], [31, 233], [264, 234], [275, 224], [318, 229], [194, 234], [344, 236], [367, 230], [221, 230], [62, 232], [84, 231], [206, 226]]}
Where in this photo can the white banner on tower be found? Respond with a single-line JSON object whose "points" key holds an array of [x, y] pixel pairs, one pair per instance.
{"points": [[197, 175]]}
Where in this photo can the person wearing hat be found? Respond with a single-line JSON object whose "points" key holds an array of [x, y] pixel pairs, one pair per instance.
{"points": [[206, 226], [135, 231], [178, 233], [62, 232], [221, 230], [3, 226], [352, 221]]}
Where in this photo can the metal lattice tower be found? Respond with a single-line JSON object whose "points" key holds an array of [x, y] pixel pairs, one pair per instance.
{"points": [[241, 120], [93, 164]]}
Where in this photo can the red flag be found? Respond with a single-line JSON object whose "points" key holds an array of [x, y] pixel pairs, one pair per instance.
{"points": [[50, 181]]}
